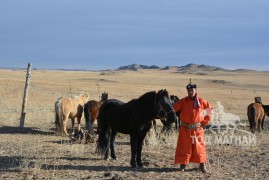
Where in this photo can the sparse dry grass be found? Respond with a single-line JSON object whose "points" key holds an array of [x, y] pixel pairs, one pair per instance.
{"points": [[35, 152]]}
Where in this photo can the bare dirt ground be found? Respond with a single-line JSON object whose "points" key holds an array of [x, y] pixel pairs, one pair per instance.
{"points": [[35, 152]]}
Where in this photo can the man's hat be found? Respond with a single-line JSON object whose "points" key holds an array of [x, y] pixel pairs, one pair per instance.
{"points": [[191, 85]]}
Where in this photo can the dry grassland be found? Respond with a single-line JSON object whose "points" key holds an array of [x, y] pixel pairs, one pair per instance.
{"points": [[35, 152]]}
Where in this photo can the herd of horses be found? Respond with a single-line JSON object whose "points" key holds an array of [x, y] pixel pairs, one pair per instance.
{"points": [[134, 118]]}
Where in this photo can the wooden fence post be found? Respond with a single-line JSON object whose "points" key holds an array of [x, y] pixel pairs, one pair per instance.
{"points": [[24, 102], [104, 97]]}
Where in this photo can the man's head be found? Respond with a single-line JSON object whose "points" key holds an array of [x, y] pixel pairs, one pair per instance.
{"points": [[191, 89]]}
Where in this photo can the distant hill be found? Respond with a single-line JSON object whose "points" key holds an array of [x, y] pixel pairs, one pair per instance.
{"points": [[195, 67], [186, 68], [135, 67]]}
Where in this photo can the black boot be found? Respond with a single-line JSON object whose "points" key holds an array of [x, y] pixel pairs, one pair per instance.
{"points": [[202, 168], [182, 167]]}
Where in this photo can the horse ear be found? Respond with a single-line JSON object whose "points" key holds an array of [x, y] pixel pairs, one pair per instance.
{"points": [[159, 92]]}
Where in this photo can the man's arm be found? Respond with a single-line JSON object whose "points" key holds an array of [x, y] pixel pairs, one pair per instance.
{"points": [[209, 111]]}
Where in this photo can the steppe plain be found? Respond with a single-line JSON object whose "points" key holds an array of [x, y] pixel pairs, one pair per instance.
{"points": [[36, 152]]}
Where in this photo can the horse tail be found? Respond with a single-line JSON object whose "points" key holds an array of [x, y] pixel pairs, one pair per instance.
{"points": [[252, 118], [87, 116], [58, 115], [103, 130]]}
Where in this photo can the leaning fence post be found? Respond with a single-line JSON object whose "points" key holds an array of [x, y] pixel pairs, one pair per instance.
{"points": [[24, 102]]}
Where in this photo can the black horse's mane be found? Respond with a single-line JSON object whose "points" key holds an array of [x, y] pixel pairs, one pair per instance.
{"points": [[145, 101], [145, 98], [149, 97]]}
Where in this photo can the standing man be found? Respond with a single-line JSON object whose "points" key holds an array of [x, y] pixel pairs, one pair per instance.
{"points": [[191, 139]]}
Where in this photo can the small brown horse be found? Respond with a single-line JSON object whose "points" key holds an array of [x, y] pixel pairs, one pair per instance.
{"points": [[66, 108], [255, 114], [91, 111]]}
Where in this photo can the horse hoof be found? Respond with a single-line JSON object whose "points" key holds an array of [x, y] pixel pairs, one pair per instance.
{"points": [[146, 164], [115, 158], [107, 159]]}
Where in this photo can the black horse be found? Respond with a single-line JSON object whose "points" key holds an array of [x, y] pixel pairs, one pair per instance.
{"points": [[266, 112], [175, 99], [133, 118], [266, 109]]}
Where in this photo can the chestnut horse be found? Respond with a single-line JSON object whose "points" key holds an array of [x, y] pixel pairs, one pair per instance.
{"points": [[91, 111], [66, 108], [255, 115]]}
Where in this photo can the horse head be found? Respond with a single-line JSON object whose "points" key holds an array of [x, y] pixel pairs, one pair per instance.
{"points": [[174, 99], [84, 97], [164, 108]]}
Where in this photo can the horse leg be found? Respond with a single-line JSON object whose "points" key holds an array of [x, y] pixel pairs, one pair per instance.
{"points": [[176, 124], [140, 146], [79, 121], [92, 121], [91, 124], [139, 150], [88, 117], [90, 127], [134, 140], [259, 124], [263, 122], [107, 148], [112, 139], [65, 118], [251, 126], [73, 125]]}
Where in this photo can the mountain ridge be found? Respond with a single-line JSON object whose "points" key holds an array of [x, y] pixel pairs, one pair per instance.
{"points": [[191, 67]]}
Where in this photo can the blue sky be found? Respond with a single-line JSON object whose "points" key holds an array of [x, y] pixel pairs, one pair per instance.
{"points": [[106, 34]]}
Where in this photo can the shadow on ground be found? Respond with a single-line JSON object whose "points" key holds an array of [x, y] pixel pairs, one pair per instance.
{"points": [[26, 130]]}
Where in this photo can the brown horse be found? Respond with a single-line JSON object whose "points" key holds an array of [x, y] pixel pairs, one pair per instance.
{"points": [[91, 111], [255, 114], [66, 108]]}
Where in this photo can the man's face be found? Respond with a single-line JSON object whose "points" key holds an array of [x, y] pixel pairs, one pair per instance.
{"points": [[191, 92]]}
